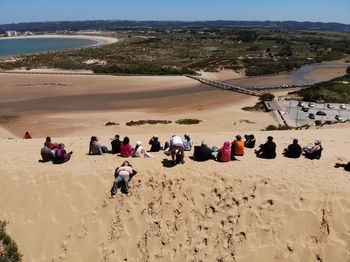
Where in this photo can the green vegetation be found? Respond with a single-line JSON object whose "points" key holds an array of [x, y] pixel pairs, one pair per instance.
{"points": [[150, 122], [257, 107], [334, 91], [188, 121], [279, 127], [266, 97], [185, 51], [8, 248]]}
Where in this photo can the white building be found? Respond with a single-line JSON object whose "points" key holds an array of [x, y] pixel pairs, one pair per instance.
{"points": [[10, 33]]}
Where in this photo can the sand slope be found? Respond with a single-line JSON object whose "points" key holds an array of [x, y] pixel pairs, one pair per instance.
{"points": [[249, 210]]}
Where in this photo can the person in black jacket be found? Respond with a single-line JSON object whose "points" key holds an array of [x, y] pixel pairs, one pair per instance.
{"points": [[267, 150], [155, 144], [116, 145], [203, 152], [294, 150]]}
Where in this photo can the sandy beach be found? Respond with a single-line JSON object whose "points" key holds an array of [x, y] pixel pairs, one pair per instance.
{"points": [[246, 210]]}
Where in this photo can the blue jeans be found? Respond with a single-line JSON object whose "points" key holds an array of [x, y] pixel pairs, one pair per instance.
{"points": [[119, 182]]}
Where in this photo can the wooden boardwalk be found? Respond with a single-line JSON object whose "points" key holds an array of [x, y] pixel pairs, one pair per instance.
{"points": [[224, 86]]}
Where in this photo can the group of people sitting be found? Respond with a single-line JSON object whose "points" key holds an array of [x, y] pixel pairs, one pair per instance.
{"points": [[54, 152]]}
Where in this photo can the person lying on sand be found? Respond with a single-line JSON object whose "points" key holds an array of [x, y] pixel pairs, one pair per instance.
{"points": [[61, 155], [126, 149], [203, 152], [294, 150], [27, 136], [267, 150], [315, 151], [122, 176], [47, 154]]}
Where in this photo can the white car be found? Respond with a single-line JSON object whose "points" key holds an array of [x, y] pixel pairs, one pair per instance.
{"points": [[330, 106], [311, 104], [342, 106], [338, 118]]}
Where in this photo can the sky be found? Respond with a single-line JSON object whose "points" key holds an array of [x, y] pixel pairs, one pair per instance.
{"points": [[15, 11]]}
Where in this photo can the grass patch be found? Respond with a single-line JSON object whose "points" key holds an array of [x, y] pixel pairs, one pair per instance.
{"points": [[257, 107], [274, 128], [8, 248], [247, 121], [112, 124], [188, 121], [150, 122]]}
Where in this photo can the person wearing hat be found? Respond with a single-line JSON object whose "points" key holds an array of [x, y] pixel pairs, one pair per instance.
{"points": [[267, 150], [237, 147], [224, 154], [138, 151], [155, 144], [187, 142], [313, 152], [203, 152]]}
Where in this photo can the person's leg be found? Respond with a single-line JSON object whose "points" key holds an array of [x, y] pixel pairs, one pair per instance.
{"points": [[126, 181], [115, 185], [182, 153], [173, 152]]}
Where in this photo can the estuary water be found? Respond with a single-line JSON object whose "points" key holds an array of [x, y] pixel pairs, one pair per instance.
{"points": [[25, 46]]}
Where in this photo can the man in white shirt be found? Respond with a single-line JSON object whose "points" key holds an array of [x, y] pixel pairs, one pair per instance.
{"points": [[177, 147]]}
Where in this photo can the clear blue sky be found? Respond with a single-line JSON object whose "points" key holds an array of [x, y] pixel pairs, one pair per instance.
{"points": [[14, 11]]}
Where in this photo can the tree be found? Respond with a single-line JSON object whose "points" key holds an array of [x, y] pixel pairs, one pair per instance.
{"points": [[266, 97]]}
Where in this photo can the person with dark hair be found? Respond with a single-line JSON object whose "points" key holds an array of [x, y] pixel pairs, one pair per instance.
{"points": [[126, 149], [187, 143], [27, 136], [61, 156], [202, 153], [116, 145], [249, 141], [155, 144], [267, 150], [315, 151], [294, 150], [49, 144], [94, 147], [122, 175], [237, 147]]}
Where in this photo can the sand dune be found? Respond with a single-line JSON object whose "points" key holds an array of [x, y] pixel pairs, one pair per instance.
{"points": [[249, 210]]}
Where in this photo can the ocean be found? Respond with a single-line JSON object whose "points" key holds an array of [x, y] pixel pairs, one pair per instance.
{"points": [[15, 47]]}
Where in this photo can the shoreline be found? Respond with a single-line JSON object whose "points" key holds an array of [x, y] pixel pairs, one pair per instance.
{"points": [[99, 41]]}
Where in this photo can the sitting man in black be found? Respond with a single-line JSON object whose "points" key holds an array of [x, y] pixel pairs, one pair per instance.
{"points": [[267, 150], [116, 145], [155, 144], [249, 141], [202, 152], [294, 150]]}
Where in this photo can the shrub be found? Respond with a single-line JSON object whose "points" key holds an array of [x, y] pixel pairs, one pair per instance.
{"points": [[266, 97], [151, 122], [8, 248], [188, 121], [279, 127]]}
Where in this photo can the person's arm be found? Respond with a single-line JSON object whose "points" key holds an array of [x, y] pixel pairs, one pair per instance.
{"points": [[116, 172], [90, 149], [99, 148], [314, 149]]}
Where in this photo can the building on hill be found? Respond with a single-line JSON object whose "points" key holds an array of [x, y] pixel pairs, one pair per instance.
{"points": [[10, 33]]}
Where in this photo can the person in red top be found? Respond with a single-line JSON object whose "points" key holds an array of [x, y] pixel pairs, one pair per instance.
{"points": [[224, 154], [49, 144], [237, 148], [125, 148], [27, 136]]}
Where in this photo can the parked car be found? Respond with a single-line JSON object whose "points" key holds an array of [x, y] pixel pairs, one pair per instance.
{"points": [[312, 116], [321, 113], [330, 106], [311, 104], [338, 118], [342, 106], [301, 103], [305, 109]]}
